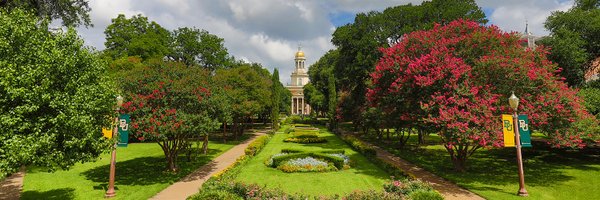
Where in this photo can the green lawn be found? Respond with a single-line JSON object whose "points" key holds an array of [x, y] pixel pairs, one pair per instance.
{"points": [[549, 173], [363, 175], [140, 174]]}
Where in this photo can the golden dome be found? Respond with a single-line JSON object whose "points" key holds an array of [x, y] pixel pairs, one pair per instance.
{"points": [[300, 54]]}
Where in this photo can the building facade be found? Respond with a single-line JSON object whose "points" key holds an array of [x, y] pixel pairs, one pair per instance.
{"points": [[299, 78]]}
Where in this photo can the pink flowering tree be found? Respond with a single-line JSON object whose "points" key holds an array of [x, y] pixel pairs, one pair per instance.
{"points": [[168, 105], [455, 80]]}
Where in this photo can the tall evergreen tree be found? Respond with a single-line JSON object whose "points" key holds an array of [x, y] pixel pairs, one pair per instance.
{"points": [[275, 95]]}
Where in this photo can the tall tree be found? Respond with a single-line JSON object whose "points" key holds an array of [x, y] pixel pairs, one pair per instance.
{"points": [[168, 103], [456, 79], [317, 91], [574, 39], [199, 47], [358, 43], [136, 36], [332, 102], [70, 12], [276, 97], [54, 96]]}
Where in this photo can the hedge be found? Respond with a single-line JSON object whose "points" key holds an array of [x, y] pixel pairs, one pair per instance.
{"points": [[360, 146], [332, 151], [257, 145], [337, 161], [305, 140]]}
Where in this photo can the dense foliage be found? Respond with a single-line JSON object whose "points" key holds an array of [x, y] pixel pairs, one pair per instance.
{"points": [[357, 44], [168, 105], [70, 12], [573, 40], [54, 96], [455, 80]]}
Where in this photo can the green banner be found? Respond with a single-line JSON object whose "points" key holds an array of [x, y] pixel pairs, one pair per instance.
{"points": [[123, 130], [524, 131]]}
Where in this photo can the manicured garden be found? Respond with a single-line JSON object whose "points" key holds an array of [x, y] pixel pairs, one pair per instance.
{"points": [[140, 174], [492, 173], [361, 174]]}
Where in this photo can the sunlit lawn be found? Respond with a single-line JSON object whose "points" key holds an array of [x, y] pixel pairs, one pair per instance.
{"points": [[362, 176], [140, 174], [549, 173]]}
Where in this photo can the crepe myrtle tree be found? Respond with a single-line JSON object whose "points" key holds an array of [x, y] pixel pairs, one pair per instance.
{"points": [[168, 105], [455, 79]]}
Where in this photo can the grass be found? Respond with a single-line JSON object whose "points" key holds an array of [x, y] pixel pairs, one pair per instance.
{"points": [[549, 173], [140, 174], [363, 175]]}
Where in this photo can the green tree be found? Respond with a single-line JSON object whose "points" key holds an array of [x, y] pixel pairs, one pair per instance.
{"points": [[54, 96], [199, 47], [70, 12], [250, 91], [136, 37], [276, 97], [574, 39], [359, 42], [319, 76], [332, 102], [169, 104]]}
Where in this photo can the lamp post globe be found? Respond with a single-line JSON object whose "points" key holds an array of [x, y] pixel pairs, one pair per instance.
{"points": [[119, 101], [513, 101]]}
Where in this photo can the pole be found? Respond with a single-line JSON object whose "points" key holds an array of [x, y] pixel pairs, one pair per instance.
{"points": [[522, 191], [111, 178]]}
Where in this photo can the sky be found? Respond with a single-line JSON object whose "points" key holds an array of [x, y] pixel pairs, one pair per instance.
{"points": [[270, 31]]}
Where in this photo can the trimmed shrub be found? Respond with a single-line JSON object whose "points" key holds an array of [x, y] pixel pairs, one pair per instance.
{"points": [[302, 134], [305, 140], [372, 195], [291, 150], [257, 145], [425, 195], [215, 195], [337, 161], [356, 144], [302, 125]]}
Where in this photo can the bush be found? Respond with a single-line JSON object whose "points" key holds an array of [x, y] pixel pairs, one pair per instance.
{"points": [[215, 195], [337, 161], [305, 140], [407, 187], [302, 125], [425, 195], [356, 144], [303, 134], [372, 195], [257, 145]]}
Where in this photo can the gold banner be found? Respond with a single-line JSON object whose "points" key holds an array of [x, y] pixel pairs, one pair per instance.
{"points": [[509, 130]]}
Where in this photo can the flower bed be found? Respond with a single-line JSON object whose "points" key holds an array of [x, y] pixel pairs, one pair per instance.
{"points": [[290, 160]]}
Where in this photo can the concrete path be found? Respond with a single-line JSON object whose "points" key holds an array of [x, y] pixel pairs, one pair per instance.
{"points": [[10, 188], [449, 190], [191, 184]]}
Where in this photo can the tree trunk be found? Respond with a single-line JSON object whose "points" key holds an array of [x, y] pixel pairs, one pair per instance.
{"points": [[224, 132], [205, 144], [421, 137]]}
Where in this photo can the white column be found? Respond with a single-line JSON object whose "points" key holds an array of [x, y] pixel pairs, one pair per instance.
{"points": [[302, 100]]}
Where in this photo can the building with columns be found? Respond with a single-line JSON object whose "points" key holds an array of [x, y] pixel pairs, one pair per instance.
{"points": [[299, 78]]}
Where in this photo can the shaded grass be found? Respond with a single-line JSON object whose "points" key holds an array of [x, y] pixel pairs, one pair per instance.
{"points": [[140, 174], [363, 175], [549, 173]]}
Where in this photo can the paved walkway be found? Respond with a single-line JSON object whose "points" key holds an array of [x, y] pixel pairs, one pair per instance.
{"points": [[10, 188], [449, 190], [191, 184]]}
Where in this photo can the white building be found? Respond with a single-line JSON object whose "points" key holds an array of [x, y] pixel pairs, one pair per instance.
{"points": [[299, 78]]}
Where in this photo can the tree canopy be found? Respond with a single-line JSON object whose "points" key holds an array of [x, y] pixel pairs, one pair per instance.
{"points": [[358, 42], [574, 39], [54, 96], [456, 80], [70, 12], [136, 36]]}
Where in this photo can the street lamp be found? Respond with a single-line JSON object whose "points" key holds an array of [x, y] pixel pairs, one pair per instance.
{"points": [[514, 104], [111, 179]]}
